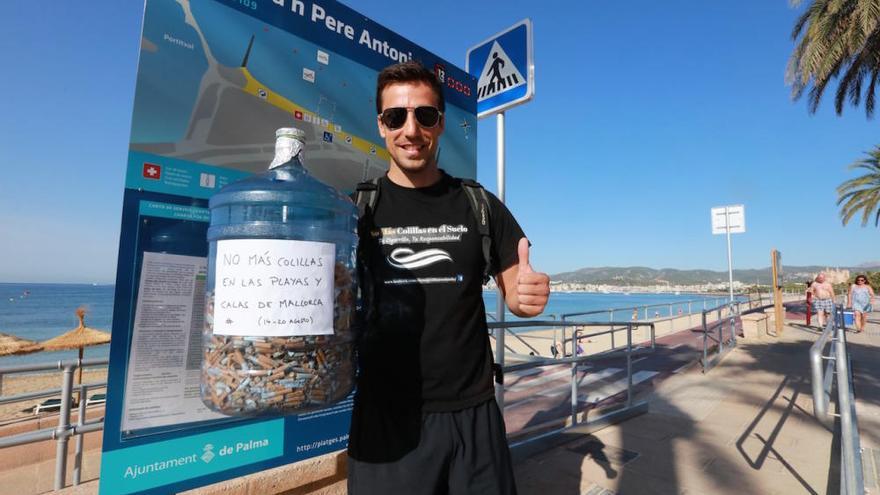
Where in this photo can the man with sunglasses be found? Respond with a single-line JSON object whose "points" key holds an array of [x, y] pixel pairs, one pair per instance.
{"points": [[425, 418]]}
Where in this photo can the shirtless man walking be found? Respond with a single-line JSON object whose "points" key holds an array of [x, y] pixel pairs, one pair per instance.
{"points": [[823, 297]]}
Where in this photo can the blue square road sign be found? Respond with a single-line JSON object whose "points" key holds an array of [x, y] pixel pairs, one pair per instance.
{"points": [[504, 68]]}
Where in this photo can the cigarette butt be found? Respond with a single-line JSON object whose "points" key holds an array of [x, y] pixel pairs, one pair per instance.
{"points": [[266, 361]]}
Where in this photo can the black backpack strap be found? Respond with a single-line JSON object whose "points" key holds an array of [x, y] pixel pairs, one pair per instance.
{"points": [[479, 200], [367, 197], [480, 206], [498, 372]]}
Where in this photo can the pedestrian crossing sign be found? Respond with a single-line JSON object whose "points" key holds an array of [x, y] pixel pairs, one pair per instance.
{"points": [[504, 68]]}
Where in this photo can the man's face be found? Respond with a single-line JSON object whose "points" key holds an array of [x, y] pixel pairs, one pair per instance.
{"points": [[821, 278], [413, 148]]}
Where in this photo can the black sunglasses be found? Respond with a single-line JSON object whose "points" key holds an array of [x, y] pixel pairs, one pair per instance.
{"points": [[395, 117]]}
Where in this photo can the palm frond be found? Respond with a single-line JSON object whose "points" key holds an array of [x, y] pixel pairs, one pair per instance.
{"points": [[836, 41], [850, 86], [869, 94], [862, 194], [870, 12], [799, 25]]}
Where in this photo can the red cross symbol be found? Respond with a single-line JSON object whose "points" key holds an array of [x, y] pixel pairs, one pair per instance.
{"points": [[152, 171]]}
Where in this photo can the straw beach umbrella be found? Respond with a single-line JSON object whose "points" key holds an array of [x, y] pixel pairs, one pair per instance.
{"points": [[78, 338], [10, 345]]}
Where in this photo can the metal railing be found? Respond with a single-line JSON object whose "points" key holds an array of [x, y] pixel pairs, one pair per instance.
{"points": [[679, 320], [679, 312], [725, 314], [577, 424], [837, 371], [61, 433], [642, 312]]}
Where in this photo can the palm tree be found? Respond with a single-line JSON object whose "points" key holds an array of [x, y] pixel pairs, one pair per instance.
{"points": [[837, 39], [862, 193]]}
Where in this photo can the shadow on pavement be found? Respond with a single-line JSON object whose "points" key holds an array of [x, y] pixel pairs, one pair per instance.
{"points": [[771, 443]]}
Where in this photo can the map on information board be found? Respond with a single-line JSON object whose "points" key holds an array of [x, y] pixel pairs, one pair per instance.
{"points": [[214, 85]]}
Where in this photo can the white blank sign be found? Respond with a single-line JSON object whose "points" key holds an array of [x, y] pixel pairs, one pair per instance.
{"points": [[736, 214]]}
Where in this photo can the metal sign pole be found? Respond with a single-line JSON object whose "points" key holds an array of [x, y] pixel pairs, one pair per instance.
{"points": [[729, 257], [504, 68], [730, 311], [499, 332]]}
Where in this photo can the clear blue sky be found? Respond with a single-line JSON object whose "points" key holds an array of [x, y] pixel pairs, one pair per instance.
{"points": [[647, 114]]}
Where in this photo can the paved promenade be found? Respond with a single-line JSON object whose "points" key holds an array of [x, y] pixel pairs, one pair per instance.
{"points": [[744, 428]]}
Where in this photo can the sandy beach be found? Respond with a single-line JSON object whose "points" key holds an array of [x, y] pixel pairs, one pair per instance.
{"points": [[538, 342], [33, 382]]}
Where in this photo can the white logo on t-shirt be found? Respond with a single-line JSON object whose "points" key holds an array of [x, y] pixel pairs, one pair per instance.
{"points": [[407, 259]]}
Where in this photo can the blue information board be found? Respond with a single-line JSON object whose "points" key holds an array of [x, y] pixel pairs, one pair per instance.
{"points": [[215, 79], [504, 68]]}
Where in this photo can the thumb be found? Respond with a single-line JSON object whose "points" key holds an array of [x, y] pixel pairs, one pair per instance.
{"points": [[523, 251]]}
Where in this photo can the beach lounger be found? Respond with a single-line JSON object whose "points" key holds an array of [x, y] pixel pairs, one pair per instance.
{"points": [[48, 405]]}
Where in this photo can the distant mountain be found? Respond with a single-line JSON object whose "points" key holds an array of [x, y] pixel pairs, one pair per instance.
{"points": [[640, 275]]}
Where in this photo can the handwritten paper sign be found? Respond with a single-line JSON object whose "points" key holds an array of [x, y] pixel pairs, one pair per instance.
{"points": [[273, 287]]}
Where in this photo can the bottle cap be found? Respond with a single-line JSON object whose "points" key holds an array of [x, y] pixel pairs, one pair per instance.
{"points": [[291, 132], [289, 142]]}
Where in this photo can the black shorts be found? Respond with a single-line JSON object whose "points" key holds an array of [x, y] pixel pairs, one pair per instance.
{"points": [[459, 453]]}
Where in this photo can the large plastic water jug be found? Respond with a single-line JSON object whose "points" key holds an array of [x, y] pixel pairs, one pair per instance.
{"points": [[280, 308]]}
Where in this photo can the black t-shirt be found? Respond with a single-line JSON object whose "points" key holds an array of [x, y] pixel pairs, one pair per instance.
{"points": [[426, 346]]}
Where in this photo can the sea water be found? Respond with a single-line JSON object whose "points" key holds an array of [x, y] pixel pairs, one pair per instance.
{"points": [[647, 305], [42, 311], [48, 311]]}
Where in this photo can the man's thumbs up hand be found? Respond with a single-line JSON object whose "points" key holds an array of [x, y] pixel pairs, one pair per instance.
{"points": [[532, 288], [522, 250]]}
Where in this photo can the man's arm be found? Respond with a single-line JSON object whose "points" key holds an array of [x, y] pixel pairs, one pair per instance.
{"points": [[525, 290]]}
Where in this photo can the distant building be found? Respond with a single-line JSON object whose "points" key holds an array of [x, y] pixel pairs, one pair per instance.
{"points": [[836, 276]]}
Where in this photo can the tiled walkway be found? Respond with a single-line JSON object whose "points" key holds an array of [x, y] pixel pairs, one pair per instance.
{"points": [[744, 428]]}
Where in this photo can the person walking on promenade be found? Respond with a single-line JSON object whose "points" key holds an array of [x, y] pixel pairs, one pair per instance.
{"points": [[425, 418], [860, 299], [823, 298]]}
